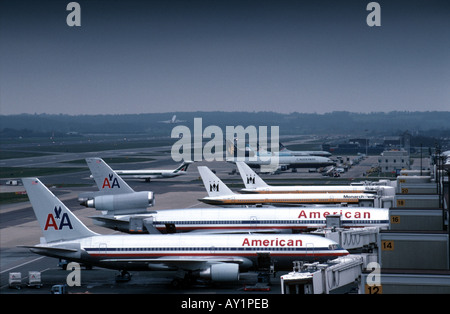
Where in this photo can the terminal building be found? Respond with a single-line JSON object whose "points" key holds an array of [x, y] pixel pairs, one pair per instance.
{"points": [[394, 161], [412, 256]]}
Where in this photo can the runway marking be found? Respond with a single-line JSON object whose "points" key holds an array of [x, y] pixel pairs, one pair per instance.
{"points": [[199, 203], [34, 260]]}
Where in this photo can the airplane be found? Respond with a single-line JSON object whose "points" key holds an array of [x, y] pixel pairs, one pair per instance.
{"points": [[220, 194], [283, 162], [216, 258], [283, 150], [115, 196], [255, 184], [173, 120], [148, 174], [240, 220], [273, 161]]}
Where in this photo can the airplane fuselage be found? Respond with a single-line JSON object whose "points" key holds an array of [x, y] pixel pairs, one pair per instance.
{"points": [[287, 161], [150, 174], [287, 199], [282, 219], [318, 189], [159, 252]]}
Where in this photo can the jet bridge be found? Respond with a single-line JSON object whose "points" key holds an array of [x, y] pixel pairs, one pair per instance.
{"points": [[341, 274], [349, 239], [324, 278], [354, 238]]}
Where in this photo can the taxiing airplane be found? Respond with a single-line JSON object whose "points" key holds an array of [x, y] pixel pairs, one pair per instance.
{"points": [[220, 194], [115, 196], [254, 184], [218, 258], [148, 174], [173, 120]]}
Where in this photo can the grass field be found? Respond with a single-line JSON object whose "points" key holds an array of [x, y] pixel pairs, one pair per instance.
{"points": [[114, 160], [6, 154], [12, 197]]}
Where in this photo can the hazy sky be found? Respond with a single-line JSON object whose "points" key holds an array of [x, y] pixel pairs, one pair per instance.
{"points": [[284, 56]]}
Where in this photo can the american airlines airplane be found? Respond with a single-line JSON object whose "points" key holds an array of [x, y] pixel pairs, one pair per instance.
{"points": [[244, 220], [115, 196], [217, 258], [220, 194], [254, 184], [148, 174]]}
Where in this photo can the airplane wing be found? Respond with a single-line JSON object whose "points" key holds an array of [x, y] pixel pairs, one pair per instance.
{"points": [[182, 262]]}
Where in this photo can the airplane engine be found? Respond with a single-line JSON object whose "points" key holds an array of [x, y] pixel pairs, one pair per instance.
{"points": [[221, 272], [122, 203]]}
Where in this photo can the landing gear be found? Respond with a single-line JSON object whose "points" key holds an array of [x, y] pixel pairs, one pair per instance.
{"points": [[183, 280], [123, 276]]}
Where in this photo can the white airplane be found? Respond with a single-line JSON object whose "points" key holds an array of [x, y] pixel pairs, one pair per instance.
{"points": [[173, 120], [268, 160], [284, 162], [148, 174], [255, 184], [218, 258], [115, 196], [284, 151], [240, 220], [220, 194]]}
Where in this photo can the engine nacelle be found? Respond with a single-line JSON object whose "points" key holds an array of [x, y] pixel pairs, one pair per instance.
{"points": [[122, 203], [224, 272]]}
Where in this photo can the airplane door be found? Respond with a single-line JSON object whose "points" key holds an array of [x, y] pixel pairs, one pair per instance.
{"points": [[254, 221]]}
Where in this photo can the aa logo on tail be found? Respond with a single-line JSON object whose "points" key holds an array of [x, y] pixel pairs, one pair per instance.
{"points": [[52, 220], [110, 182]]}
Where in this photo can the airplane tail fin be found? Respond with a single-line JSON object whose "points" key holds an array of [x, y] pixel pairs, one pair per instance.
{"points": [[231, 148], [106, 178], [57, 222], [250, 178], [184, 166], [213, 185]]}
